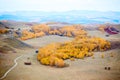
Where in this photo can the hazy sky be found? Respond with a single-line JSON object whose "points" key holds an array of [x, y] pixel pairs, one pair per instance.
{"points": [[59, 5]]}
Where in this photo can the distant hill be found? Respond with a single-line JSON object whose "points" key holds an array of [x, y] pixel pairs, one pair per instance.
{"points": [[82, 17]]}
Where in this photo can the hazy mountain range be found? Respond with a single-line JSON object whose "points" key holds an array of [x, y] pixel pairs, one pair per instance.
{"points": [[82, 17]]}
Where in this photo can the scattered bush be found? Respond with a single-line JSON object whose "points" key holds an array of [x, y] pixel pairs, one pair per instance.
{"points": [[111, 55], [102, 55]]}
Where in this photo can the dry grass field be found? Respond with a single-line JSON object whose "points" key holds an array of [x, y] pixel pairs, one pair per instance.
{"points": [[87, 69]]}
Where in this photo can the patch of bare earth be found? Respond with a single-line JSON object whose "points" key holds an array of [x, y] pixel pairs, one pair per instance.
{"points": [[7, 59]]}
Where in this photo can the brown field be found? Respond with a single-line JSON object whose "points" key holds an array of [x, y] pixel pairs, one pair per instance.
{"points": [[87, 69]]}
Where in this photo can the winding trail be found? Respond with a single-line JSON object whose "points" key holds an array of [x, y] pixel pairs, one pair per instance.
{"points": [[15, 61]]}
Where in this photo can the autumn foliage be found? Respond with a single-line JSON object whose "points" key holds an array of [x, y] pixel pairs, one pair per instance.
{"points": [[54, 54], [73, 30], [27, 35], [2, 31], [37, 31], [43, 29], [82, 46]]}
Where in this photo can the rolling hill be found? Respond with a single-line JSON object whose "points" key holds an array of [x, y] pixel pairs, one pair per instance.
{"points": [[82, 17], [10, 44]]}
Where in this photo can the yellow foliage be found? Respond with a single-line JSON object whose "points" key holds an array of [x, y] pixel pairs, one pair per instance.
{"points": [[90, 54], [2, 31], [45, 61], [73, 30], [54, 32], [55, 54], [82, 46], [39, 34], [80, 56], [42, 27], [59, 63], [27, 35], [72, 59]]}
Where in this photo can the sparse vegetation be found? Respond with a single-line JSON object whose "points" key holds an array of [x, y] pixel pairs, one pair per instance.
{"points": [[102, 55]]}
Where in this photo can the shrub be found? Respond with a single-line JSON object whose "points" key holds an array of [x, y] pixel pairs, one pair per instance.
{"points": [[3, 31]]}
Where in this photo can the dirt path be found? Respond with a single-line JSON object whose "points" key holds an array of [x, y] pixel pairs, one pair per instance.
{"points": [[15, 61]]}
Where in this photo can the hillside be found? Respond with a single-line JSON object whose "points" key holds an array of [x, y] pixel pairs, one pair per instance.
{"points": [[11, 44], [2, 25]]}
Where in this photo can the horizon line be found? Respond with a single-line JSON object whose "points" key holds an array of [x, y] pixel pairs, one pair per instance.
{"points": [[57, 11]]}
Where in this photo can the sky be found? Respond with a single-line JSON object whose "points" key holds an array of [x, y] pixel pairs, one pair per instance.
{"points": [[59, 5]]}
